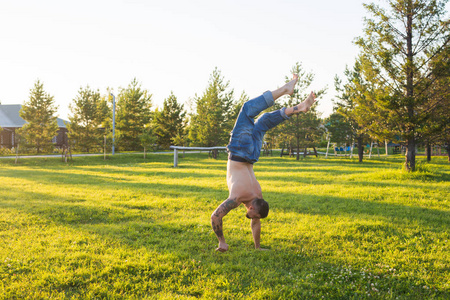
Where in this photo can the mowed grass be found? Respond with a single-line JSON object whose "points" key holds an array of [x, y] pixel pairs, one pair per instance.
{"points": [[129, 228]]}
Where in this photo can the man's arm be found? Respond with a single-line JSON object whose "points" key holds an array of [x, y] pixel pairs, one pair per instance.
{"points": [[256, 231], [216, 221]]}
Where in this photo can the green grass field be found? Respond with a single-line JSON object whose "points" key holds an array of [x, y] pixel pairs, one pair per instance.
{"points": [[129, 228]]}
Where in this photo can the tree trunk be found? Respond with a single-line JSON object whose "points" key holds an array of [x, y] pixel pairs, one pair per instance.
{"points": [[17, 153], [428, 152], [386, 147], [360, 148], [298, 148], [410, 163], [315, 152], [448, 152]]}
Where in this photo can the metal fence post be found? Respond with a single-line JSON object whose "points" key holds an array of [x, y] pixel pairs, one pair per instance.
{"points": [[175, 157]]}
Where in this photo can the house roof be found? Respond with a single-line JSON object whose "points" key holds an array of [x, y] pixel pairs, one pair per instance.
{"points": [[10, 117]]}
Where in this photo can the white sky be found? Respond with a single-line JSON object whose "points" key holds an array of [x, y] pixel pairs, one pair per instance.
{"points": [[172, 45]]}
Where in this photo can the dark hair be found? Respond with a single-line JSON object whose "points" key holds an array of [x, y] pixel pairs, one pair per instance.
{"points": [[261, 206]]}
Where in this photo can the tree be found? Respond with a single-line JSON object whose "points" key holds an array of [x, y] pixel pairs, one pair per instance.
{"points": [[41, 126], [438, 131], [133, 114], [169, 122], [303, 130], [351, 104], [211, 124], [400, 41], [339, 128], [89, 111], [147, 138]]}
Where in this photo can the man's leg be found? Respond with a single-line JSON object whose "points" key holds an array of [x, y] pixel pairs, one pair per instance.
{"points": [[287, 89], [271, 119], [303, 106], [252, 109]]}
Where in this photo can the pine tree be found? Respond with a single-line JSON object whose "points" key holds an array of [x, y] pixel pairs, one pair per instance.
{"points": [[133, 114], [41, 126], [213, 121], [89, 112], [438, 130], [339, 128], [169, 122], [351, 104], [147, 138], [302, 130], [400, 41]]}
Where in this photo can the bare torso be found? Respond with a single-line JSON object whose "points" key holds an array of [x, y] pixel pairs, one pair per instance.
{"points": [[242, 183]]}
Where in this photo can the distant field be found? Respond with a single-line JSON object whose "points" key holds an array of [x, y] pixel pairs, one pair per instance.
{"points": [[129, 228]]}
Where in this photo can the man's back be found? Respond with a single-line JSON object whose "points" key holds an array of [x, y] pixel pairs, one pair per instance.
{"points": [[242, 183]]}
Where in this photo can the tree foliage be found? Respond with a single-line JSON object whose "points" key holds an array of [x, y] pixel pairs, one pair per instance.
{"points": [[89, 111], [147, 138], [339, 128], [351, 104], [302, 130], [400, 41], [133, 114], [169, 122], [438, 95], [39, 113], [213, 120]]}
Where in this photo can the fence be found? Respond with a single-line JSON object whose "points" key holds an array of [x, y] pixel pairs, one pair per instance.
{"points": [[176, 148]]}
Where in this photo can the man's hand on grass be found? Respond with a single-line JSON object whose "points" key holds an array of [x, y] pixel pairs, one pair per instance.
{"points": [[223, 247]]}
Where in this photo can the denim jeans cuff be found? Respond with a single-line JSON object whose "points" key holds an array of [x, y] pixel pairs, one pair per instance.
{"points": [[283, 113], [269, 98]]}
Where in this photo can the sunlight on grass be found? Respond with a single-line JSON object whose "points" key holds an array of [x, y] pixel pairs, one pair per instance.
{"points": [[134, 228]]}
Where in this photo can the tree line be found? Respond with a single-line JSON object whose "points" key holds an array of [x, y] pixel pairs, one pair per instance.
{"points": [[139, 125], [398, 89], [399, 86]]}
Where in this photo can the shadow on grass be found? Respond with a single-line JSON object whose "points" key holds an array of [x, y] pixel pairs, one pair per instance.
{"points": [[433, 219], [159, 228]]}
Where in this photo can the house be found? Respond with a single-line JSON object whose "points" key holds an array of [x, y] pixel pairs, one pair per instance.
{"points": [[10, 120]]}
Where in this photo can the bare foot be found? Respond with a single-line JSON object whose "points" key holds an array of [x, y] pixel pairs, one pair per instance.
{"points": [[291, 85], [306, 104]]}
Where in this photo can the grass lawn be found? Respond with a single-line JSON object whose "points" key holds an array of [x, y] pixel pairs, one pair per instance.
{"points": [[129, 228]]}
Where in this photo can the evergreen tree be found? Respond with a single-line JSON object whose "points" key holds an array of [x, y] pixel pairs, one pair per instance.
{"points": [[41, 126], [89, 111], [400, 40], [303, 130], [147, 138], [351, 104], [133, 114], [438, 131], [213, 121], [169, 122], [339, 128]]}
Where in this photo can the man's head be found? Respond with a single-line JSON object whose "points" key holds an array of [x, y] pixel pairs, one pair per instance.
{"points": [[259, 208]]}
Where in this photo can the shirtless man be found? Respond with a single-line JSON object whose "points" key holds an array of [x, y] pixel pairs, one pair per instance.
{"points": [[244, 150]]}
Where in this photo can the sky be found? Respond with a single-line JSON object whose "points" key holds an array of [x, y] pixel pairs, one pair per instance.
{"points": [[173, 46]]}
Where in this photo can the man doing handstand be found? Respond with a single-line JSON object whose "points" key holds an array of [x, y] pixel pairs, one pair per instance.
{"points": [[244, 150]]}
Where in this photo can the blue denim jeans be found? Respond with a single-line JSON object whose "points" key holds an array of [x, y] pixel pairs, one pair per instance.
{"points": [[247, 135]]}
